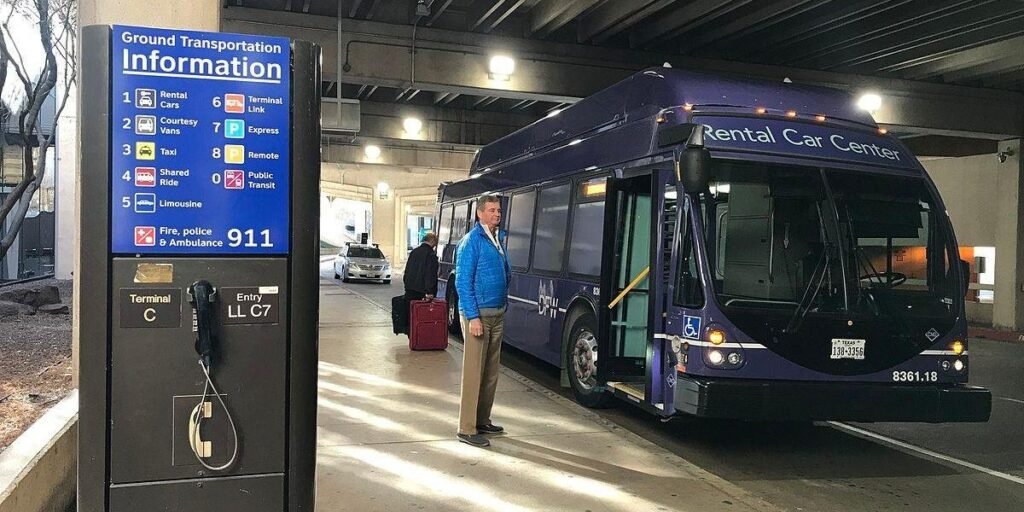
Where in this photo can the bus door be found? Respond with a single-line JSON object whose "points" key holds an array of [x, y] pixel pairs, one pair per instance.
{"points": [[632, 289]]}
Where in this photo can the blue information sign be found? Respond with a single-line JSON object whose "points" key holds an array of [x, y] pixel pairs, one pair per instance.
{"points": [[803, 139], [200, 142]]}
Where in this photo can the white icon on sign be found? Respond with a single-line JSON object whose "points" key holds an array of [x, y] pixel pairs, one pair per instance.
{"points": [[145, 125], [691, 327], [145, 176], [234, 103], [234, 180], [145, 98], [145, 236], [145, 203], [234, 128]]}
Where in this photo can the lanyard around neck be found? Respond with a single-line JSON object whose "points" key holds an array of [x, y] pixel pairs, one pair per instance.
{"points": [[493, 238]]}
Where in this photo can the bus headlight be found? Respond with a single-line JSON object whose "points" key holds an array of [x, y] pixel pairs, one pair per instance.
{"points": [[957, 347], [715, 357], [735, 358], [958, 365]]}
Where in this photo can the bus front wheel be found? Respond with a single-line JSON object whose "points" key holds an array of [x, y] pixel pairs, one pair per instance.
{"points": [[581, 363]]}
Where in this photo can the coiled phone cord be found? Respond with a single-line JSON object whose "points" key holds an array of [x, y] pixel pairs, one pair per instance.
{"points": [[197, 419]]}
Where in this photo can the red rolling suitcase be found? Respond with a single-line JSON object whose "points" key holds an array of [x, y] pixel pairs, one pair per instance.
{"points": [[428, 325]]}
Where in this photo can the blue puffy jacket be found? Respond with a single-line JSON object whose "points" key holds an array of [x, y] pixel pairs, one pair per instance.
{"points": [[482, 273]]}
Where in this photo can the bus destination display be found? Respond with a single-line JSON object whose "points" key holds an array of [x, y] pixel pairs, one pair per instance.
{"points": [[200, 142]]}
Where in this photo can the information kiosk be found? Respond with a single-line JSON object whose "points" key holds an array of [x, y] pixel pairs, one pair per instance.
{"points": [[198, 271]]}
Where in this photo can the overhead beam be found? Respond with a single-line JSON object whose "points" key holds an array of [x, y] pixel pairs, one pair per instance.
{"points": [[480, 10], [488, 99], [504, 15], [551, 15], [451, 97], [612, 17], [440, 96], [684, 19], [438, 12], [779, 39], [448, 61], [355, 8], [1011, 64], [827, 45], [975, 58], [933, 40], [758, 19]]}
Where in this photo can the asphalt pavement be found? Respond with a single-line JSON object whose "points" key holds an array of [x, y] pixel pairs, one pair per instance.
{"points": [[840, 466]]}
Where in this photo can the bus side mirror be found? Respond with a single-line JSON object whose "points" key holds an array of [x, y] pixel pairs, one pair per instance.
{"points": [[694, 162]]}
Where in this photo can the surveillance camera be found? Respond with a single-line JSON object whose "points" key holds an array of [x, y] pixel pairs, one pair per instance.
{"points": [[1002, 155]]}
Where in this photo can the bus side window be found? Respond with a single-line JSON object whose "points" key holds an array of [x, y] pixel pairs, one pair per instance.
{"points": [[552, 222], [459, 222], [587, 234], [520, 228], [444, 233], [689, 293]]}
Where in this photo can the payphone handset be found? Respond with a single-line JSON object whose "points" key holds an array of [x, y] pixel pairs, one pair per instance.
{"points": [[201, 295]]}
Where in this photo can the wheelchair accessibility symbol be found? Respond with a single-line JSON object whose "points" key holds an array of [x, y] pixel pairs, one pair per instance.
{"points": [[691, 327]]}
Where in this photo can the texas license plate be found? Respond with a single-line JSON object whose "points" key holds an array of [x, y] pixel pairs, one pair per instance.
{"points": [[847, 348]]}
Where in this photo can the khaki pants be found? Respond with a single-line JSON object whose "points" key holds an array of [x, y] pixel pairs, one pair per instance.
{"points": [[481, 361]]}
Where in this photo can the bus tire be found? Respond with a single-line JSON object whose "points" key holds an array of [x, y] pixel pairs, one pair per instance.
{"points": [[580, 360], [454, 327]]}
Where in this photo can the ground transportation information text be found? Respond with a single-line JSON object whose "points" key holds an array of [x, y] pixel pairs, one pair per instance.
{"points": [[199, 142]]}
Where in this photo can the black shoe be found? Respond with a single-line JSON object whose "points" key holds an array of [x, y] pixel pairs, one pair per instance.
{"points": [[474, 440], [490, 428]]}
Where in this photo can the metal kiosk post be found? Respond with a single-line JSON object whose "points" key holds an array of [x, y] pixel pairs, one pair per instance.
{"points": [[198, 272]]}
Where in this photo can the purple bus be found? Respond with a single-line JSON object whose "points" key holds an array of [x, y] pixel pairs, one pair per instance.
{"points": [[728, 248]]}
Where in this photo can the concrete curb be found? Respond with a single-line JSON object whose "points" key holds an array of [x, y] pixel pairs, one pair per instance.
{"points": [[38, 471]]}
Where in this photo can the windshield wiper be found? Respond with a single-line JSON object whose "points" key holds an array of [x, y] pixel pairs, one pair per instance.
{"points": [[814, 282], [804, 306]]}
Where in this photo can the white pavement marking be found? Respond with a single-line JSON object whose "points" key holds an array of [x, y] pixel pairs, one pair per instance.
{"points": [[1010, 399], [926, 452]]}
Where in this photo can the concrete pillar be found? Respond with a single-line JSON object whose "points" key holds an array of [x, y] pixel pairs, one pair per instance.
{"points": [[1008, 199], [181, 14], [177, 14]]}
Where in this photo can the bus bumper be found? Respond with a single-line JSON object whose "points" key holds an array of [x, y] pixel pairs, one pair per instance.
{"points": [[802, 401]]}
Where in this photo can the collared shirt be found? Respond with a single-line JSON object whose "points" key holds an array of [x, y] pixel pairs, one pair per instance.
{"points": [[492, 236]]}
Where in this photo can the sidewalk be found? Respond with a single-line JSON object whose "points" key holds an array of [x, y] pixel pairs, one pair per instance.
{"points": [[386, 430]]}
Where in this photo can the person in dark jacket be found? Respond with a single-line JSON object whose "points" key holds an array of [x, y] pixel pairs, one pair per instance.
{"points": [[421, 270]]}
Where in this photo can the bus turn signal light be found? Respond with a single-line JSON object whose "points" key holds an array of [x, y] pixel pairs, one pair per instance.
{"points": [[716, 336], [957, 347]]}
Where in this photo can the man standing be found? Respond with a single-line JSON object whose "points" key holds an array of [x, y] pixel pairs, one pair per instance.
{"points": [[482, 276], [420, 277]]}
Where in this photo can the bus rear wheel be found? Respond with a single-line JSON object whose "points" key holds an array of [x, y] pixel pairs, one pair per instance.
{"points": [[581, 363]]}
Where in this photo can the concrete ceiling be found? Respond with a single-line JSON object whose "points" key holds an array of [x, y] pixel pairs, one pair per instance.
{"points": [[951, 68]]}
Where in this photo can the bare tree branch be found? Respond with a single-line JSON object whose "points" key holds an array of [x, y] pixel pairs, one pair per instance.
{"points": [[36, 92]]}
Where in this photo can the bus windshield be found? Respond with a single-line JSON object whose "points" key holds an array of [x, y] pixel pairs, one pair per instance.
{"points": [[809, 240]]}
